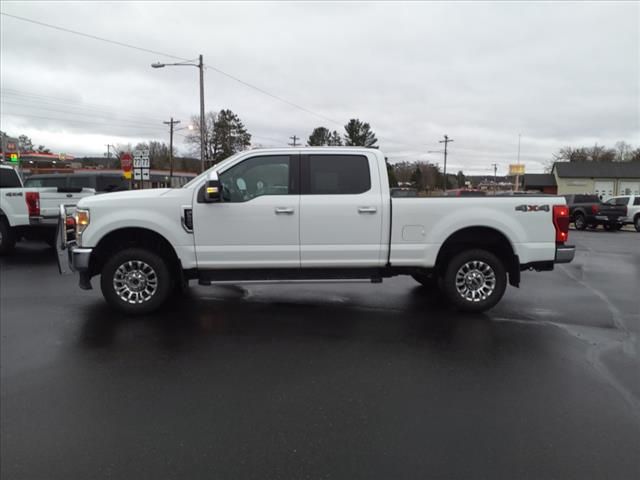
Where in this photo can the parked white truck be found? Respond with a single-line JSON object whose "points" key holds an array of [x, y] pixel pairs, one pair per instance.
{"points": [[30, 212], [307, 214]]}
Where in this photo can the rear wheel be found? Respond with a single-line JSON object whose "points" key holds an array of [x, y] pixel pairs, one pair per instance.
{"points": [[475, 280], [7, 239], [580, 222], [135, 281], [611, 227], [636, 223]]}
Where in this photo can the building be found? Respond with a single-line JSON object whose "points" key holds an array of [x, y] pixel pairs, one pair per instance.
{"points": [[606, 179], [540, 182]]}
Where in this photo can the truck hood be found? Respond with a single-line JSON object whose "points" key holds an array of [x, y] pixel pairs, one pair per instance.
{"points": [[119, 197]]}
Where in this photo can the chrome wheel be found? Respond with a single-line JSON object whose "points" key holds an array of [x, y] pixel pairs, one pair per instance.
{"points": [[135, 282], [475, 281]]}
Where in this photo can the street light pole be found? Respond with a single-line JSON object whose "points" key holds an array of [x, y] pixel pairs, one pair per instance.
{"points": [[203, 129]]}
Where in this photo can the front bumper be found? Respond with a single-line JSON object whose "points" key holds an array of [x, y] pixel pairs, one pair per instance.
{"points": [[71, 257], [565, 253], [41, 221]]}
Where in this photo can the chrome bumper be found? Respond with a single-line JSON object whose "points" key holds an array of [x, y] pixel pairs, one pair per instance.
{"points": [[565, 253], [71, 258]]}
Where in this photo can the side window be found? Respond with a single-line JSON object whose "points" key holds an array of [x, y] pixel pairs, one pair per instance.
{"points": [[612, 201], [9, 178], [255, 177], [636, 201], [80, 181], [108, 183], [338, 175], [622, 201]]}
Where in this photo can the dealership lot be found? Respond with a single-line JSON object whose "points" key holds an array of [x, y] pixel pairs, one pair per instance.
{"points": [[326, 381]]}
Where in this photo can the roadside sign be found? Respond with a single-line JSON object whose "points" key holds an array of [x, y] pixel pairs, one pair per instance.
{"points": [[141, 159], [141, 165], [516, 169], [126, 163], [13, 157]]}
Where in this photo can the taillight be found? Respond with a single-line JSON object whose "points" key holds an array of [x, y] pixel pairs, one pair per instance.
{"points": [[561, 222], [33, 203], [595, 209]]}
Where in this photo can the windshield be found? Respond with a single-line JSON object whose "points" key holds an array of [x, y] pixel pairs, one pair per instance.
{"points": [[217, 166]]}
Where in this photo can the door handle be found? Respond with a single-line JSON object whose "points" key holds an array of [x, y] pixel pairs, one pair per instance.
{"points": [[284, 211], [367, 209]]}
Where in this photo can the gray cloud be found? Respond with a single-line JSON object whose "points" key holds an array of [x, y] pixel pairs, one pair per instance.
{"points": [[557, 73]]}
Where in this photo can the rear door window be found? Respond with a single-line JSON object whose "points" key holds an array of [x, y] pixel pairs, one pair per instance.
{"points": [[105, 183], [337, 175], [81, 182]]}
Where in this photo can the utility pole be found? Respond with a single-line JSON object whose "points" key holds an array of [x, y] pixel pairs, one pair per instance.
{"points": [[446, 141], [495, 177], [295, 139], [171, 123], [518, 173]]}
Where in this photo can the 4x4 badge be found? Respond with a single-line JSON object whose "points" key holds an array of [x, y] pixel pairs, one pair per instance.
{"points": [[533, 208]]}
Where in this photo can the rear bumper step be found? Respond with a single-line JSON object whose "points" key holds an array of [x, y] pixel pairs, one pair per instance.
{"points": [[565, 253]]}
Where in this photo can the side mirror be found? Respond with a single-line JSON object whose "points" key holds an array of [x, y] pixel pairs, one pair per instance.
{"points": [[212, 189]]}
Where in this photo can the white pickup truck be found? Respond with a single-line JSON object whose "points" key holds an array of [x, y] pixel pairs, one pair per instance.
{"points": [[28, 212], [307, 214]]}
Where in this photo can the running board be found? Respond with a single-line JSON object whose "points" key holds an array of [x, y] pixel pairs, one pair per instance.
{"points": [[278, 275]]}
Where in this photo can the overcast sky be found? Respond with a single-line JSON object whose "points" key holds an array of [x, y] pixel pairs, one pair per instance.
{"points": [[556, 73]]}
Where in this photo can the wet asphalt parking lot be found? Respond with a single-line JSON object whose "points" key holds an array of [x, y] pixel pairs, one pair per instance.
{"points": [[325, 381]]}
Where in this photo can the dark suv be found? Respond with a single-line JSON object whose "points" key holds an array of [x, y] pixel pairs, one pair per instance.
{"points": [[586, 210]]}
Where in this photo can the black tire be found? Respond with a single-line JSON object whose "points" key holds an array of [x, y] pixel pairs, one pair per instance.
{"points": [[610, 227], [474, 262], [592, 226], [619, 226], [580, 222], [140, 267], [426, 280], [636, 223], [7, 238]]}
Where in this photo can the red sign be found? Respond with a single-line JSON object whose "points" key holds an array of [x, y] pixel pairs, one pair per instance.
{"points": [[126, 161]]}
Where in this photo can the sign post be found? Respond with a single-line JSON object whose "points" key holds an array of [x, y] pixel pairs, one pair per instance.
{"points": [[141, 166], [516, 169]]}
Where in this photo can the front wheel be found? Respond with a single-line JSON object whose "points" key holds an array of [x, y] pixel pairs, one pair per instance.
{"points": [[475, 280], [636, 223], [135, 281]]}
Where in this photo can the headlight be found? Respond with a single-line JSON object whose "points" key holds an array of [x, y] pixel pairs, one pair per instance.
{"points": [[82, 222]]}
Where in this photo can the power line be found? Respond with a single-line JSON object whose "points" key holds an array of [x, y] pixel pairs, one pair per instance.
{"points": [[58, 101], [82, 114], [168, 55]]}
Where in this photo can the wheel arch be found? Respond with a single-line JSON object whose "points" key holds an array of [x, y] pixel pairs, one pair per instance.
{"points": [[482, 237], [129, 237]]}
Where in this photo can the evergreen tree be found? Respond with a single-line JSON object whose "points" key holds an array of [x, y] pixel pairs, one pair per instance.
{"points": [[319, 137], [334, 139], [359, 134], [225, 134]]}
